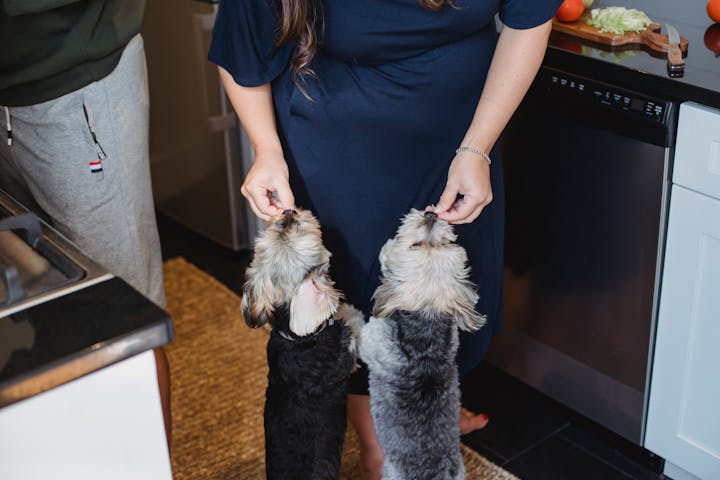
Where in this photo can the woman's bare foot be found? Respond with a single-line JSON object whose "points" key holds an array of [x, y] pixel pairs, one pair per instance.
{"points": [[469, 422]]}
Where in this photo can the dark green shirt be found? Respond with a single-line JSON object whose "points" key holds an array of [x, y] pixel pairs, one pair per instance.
{"points": [[52, 47]]}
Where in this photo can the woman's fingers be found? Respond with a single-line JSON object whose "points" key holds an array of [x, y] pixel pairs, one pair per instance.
{"points": [[285, 198], [464, 210], [251, 202], [257, 197], [474, 214], [447, 200], [266, 187], [467, 192]]}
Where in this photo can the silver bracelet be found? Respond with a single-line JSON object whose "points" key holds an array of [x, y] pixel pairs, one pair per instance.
{"points": [[476, 152]]}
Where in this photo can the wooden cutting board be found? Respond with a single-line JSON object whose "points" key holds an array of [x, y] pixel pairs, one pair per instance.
{"points": [[650, 37]]}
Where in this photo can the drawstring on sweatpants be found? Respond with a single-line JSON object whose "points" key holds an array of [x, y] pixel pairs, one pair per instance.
{"points": [[9, 126], [91, 127]]}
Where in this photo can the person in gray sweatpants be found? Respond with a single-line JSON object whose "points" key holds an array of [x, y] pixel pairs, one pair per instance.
{"points": [[74, 112], [84, 159]]}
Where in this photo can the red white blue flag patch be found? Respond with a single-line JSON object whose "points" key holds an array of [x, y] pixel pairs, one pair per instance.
{"points": [[95, 166]]}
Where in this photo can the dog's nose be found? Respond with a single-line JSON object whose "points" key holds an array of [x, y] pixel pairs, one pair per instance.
{"points": [[288, 217], [430, 218]]}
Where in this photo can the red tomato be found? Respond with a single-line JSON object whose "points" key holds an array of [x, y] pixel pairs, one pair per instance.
{"points": [[570, 10], [712, 38], [713, 10]]}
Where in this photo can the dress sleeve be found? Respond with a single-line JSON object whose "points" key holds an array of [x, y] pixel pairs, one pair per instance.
{"points": [[243, 41], [522, 14]]}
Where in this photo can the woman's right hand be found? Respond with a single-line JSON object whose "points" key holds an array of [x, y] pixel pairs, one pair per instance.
{"points": [[267, 187]]}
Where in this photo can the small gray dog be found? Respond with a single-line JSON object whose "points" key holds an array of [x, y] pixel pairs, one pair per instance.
{"points": [[311, 350], [410, 345]]}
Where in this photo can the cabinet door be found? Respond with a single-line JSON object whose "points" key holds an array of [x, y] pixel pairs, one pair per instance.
{"points": [[697, 154], [684, 412]]}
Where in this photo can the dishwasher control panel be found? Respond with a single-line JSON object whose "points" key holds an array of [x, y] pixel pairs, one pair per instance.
{"points": [[585, 90]]}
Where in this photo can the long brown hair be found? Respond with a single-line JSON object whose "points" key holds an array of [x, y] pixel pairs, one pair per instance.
{"points": [[299, 22]]}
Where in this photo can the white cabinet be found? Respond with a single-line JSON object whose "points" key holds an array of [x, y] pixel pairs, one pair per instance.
{"points": [[106, 425], [697, 153], [684, 410]]}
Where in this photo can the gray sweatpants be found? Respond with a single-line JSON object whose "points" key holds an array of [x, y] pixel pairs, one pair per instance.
{"points": [[82, 160]]}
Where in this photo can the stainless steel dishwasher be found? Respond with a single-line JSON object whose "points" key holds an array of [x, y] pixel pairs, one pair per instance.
{"points": [[587, 168]]}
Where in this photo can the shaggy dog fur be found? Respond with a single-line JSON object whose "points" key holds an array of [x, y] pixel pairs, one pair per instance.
{"points": [[310, 351], [410, 345]]}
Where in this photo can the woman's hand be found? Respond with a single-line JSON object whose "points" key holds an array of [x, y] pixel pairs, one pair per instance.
{"points": [[469, 176], [266, 186]]}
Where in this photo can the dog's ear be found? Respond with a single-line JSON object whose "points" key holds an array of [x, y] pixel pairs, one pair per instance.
{"points": [[469, 320], [384, 252], [466, 317], [313, 302], [256, 311]]}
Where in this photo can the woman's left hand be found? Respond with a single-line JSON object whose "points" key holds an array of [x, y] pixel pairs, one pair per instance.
{"points": [[468, 176]]}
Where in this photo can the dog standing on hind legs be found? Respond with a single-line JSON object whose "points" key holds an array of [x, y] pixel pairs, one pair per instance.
{"points": [[311, 350], [410, 345]]}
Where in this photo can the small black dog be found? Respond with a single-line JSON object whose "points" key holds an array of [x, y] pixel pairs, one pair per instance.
{"points": [[311, 350]]}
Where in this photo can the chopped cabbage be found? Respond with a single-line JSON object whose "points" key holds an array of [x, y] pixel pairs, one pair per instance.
{"points": [[618, 20]]}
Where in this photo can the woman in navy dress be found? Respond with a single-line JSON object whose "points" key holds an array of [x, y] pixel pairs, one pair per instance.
{"points": [[355, 109]]}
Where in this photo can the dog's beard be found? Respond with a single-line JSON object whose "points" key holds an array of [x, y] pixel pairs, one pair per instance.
{"points": [[424, 271]]}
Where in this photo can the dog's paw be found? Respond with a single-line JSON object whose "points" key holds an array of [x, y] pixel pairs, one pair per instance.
{"points": [[352, 317], [355, 320]]}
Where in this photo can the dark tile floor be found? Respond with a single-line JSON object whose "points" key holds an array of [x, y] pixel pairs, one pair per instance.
{"points": [[536, 438], [529, 434]]}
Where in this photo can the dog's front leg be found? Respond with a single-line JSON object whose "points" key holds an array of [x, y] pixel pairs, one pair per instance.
{"points": [[377, 346], [355, 321]]}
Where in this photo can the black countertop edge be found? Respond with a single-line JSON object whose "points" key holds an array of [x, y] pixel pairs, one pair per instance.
{"points": [[92, 359], [630, 78], [63, 339]]}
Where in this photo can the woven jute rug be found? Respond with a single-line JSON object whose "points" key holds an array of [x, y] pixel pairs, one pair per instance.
{"points": [[218, 378]]}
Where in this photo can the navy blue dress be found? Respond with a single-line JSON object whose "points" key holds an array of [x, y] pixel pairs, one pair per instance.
{"points": [[396, 89]]}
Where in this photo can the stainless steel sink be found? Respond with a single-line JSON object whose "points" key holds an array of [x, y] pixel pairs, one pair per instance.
{"points": [[37, 264]]}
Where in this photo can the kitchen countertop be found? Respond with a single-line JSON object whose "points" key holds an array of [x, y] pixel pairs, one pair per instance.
{"points": [[55, 342], [61, 340], [637, 67], [701, 82]]}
